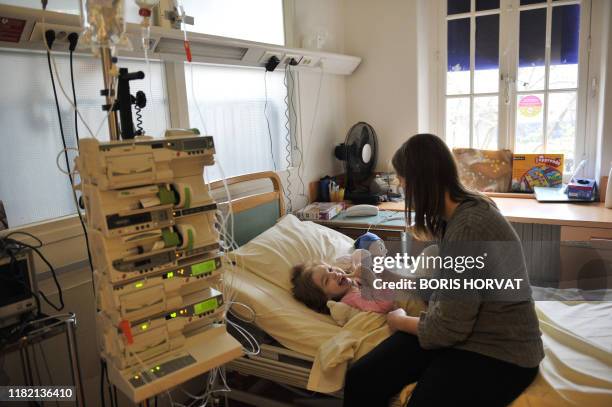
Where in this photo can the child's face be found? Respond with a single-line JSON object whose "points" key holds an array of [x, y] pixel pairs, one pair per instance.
{"points": [[331, 280]]}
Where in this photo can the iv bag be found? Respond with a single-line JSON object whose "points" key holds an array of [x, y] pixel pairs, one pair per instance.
{"points": [[104, 24]]}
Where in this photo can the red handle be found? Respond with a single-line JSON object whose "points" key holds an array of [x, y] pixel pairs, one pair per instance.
{"points": [[126, 328], [187, 50]]}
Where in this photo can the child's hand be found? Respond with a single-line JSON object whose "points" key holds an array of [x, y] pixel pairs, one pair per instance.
{"points": [[395, 319]]}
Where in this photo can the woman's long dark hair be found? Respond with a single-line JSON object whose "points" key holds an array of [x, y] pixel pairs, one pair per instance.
{"points": [[429, 170]]}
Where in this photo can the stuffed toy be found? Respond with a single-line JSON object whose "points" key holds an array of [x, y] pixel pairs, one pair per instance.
{"points": [[372, 243], [341, 312], [366, 246]]}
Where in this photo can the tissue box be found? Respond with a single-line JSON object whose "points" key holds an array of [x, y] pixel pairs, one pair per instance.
{"points": [[320, 211], [582, 188]]}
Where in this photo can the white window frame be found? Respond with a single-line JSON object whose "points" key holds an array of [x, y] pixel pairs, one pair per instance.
{"points": [[62, 238], [509, 12]]}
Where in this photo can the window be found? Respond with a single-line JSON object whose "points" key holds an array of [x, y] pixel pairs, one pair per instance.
{"points": [[260, 20], [547, 81], [518, 86], [32, 188], [73, 7], [472, 80], [243, 108], [250, 134]]}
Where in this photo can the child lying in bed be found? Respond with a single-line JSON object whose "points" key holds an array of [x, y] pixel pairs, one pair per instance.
{"points": [[316, 283]]}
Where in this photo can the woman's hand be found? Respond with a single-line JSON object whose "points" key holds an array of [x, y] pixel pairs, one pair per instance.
{"points": [[395, 319], [399, 321]]}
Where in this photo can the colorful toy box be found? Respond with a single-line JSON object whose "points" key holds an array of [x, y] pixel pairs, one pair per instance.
{"points": [[536, 170]]}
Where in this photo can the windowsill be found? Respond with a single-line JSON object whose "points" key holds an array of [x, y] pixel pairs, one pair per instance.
{"points": [[515, 195]]}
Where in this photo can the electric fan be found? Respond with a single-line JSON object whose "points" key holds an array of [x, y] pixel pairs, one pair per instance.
{"points": [[359, 152]]}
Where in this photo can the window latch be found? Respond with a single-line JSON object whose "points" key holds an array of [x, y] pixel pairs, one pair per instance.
{"points": [[508, 81]]}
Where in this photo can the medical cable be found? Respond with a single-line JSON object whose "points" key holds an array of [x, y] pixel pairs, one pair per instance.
{"points": [[193, 94], [195, 99], [314, 117], [49, 39], [109, 385], [300, 139], [138, 113], [229, 289], [73, 37], [267, 119], [288, 143], [59, 82], [209, 388], [102, 395], [248, 321]]}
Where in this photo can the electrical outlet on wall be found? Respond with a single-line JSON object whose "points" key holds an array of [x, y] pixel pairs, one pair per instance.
{"points": [[310, 62], [289, 57], [269, 54]]}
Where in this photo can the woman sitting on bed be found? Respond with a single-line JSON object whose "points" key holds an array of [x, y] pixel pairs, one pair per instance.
{"points": [[316, 283], [463, 351]]}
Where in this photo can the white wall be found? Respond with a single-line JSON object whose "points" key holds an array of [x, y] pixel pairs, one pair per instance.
{"points": [[329, 118], [383, 91], [428, 66], [603, 21]]}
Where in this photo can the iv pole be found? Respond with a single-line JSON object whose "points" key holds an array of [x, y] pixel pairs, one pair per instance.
{"points": [[107, 69]]}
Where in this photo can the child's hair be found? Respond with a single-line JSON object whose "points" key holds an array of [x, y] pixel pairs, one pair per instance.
{"points": [[306, 291]]}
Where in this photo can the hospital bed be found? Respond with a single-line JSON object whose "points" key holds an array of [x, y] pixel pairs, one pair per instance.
{"points": [[310, 351]]}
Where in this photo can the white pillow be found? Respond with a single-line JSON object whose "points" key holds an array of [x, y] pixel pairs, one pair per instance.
{"points": [[272, 254]]}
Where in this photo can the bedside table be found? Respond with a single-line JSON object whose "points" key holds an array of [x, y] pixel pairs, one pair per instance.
{"points": [[389, 225]]}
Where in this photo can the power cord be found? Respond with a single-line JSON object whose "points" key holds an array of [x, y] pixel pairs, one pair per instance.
{"points": [[299, 142], [288, 145], [268, 120], [140, 101], [102, 370], [73, 39]]}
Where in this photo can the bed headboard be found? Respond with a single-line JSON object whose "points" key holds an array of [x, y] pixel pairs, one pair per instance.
{"points": [[254, 211]]}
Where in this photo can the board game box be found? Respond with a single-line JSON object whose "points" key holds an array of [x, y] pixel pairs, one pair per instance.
{"points": [[536, 170]]}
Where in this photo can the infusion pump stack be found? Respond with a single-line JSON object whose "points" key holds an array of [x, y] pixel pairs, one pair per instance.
{"points": [[154, 237], [155, 246]]}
